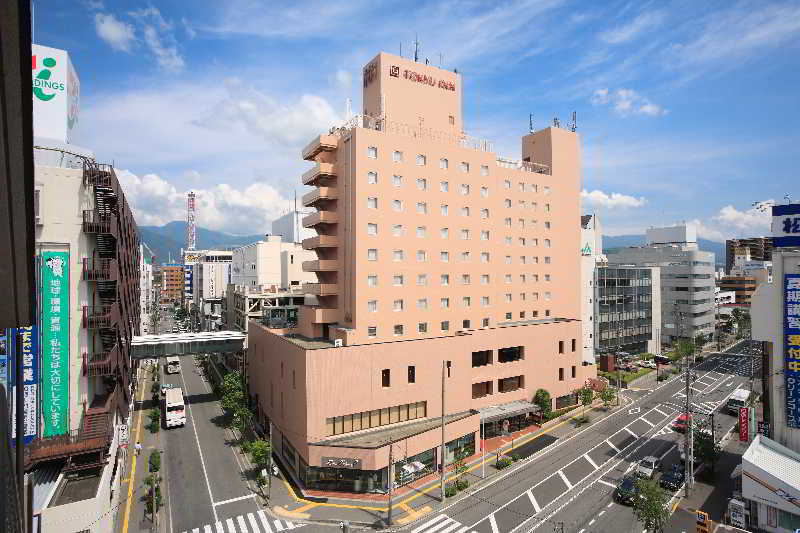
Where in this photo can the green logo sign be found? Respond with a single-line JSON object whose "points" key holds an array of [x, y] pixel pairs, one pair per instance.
{"points": [[42, 81], [586, 250], [54, 275]]}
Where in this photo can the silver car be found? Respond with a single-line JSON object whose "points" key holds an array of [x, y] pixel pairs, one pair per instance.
{"points": [[648, 467]]}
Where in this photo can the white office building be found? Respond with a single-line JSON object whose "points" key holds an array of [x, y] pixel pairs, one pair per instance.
{"points": [[289, 227], [271, 263]]}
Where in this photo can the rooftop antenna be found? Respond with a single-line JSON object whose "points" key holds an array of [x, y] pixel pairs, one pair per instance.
{"points": [[441, 59], [574, 125], [530, 122], [556, 123], [426, 60], [348, 108], [416, 48]]}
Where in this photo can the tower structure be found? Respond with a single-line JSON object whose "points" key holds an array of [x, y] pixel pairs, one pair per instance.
{"points": [[190, 227]]}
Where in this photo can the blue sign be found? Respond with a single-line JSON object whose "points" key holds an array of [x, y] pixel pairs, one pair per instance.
{"points": [[791, 349], [28, 336], [786, 225], [3, 359]]}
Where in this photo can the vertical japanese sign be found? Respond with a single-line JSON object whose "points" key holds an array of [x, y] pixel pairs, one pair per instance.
{"points": [[744, 424], [791, 349], [54, 305], [28, 338], [3, 359]]}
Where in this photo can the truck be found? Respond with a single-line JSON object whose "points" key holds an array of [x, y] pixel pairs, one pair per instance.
{"points": [[738, 399]]}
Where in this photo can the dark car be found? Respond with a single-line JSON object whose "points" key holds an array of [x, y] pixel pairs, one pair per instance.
{"points": [[626, 491], [673, 478]]}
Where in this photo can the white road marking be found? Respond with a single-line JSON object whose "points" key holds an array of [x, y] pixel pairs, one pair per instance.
{"points": [[565, 480], [242, 525], [657, 410], [493, 523], [609, 504], [220, 528], [667, 452], [626, 428], [207, 528], [252, 520], [454, 525], [592, 522], [582, 530], [646, 421], [246, 496], [264, 522], [533, 501], [429, 522], [196, 530], [604, 482], [231, 527], [278, 525], [594, 465], [612, 446], [601, 513]]}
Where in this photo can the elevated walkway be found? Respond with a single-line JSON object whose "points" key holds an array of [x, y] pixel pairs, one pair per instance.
{"points": [[151, 346]]}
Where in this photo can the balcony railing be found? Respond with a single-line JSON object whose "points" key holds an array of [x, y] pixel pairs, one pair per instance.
{"points": [[320, 144], [320, 289], [94, 222], [96, 269], [317, 171], [321, 193], [96, 316], [320, 265], [320, 241], [97, 174], [320, 217], [100, 364]]}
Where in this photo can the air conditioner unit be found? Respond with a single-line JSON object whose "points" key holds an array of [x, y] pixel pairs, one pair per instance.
{"points": [[338, 343]]}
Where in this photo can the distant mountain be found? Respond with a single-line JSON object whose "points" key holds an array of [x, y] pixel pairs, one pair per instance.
{"points": [[168, 240], [613, 242]]}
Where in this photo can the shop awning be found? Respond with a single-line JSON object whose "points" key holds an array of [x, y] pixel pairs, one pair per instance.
{"points": [[507, 410]]}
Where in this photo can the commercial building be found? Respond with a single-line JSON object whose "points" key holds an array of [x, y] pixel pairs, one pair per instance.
{"points": [[771, 487], [191, 258], [435, 256], [271, 262], [146, 290], [687, 280], [172, 279], [289, 227], [591, 255], [759, 248]]}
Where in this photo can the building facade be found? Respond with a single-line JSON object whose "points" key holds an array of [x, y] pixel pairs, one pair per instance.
{"points": [[759, 248], [172, 279], [146, 287], [271, 262], [289, 227], [434, 256], [591, 253], [687, 280]]}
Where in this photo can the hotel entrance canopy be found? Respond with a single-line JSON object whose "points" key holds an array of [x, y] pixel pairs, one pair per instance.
{"points": [[151, 346]]}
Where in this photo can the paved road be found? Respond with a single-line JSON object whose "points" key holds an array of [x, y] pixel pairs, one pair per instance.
{"points": [[572, 481]]}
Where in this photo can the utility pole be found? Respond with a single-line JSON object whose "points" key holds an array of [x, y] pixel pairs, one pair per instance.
{"points": [[391, 484]]}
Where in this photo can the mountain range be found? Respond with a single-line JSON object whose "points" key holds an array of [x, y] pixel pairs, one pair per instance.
{"points": [[166, 241]]}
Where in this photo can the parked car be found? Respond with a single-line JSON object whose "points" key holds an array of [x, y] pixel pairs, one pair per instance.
{"points": [[680, 423], [647, 467], [626, 491], [673, 478]]}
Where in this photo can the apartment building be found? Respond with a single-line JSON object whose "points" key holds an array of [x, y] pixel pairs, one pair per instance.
{"points": [[759, 249], [435, 256], [172, 279], [146, 292], [271, 262], [687, 280]]}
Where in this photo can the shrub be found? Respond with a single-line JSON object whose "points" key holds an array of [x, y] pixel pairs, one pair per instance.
{"points": [[543, 400], [663, 377], [154, 461], [450, 490], [462, 484], [515, 457], [503, 462]]}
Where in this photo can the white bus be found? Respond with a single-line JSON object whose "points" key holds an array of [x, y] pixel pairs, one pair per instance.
{"points": [[173, 365], [738, 399], [174, 408]]}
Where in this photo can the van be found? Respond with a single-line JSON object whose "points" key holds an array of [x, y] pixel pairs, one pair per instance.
{"points": [[174, 408], [173, 365], [738, 399]]}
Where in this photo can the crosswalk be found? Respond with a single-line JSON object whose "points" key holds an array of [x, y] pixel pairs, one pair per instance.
{"points": [[257, 522], [442, 524]]}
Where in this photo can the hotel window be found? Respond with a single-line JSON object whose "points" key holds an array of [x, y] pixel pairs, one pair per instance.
{"points": [[444, 256], [372, 229], [508, 278], [523, 278], [397, 181], [522, 314], [534, 314], [421, 160], [546, 224], [422, 184], [420, 231], [536, 262], [546, 312], [484, 257], [422, 208], [560, 346], [574, 342], [485, 301], [372, 177], [422, 303], [485, 323], [464, 166], [397, 255], [508, 202], [573, 371], [546, 190], [521, 187], [547, 207], [397, 280], [444, 279], [372, 152], [560, 374], [484, 213], [372, 254], [508, 241], [422, 279], [386, 377], [372, 331], [422, 255], [547, 277], [443, 163], [506, 184], [464, 189], [522, 241], [444, 303], [534, 205], [397, 305], [547, 260], [534, 187], [522, 203], [444, 233], [398, 329], [372, 202], [523, 259], [507, 222], [464, 234], [412, 374], [422, 327], [465, 324], [372, 280], [444, 186], [465, 279], [547, 243], [547, 296], [508, 297], [397, 230], [443, 210], [484, 170], [372, 306], [466, 301], [445, 325], [522, 296], [451, 119], [397, 205], [465, 211], [521, 223], [484, 235], [484, 279], [465, 256], [397, 156], [509, 316], [508, 259], [484, 192]]}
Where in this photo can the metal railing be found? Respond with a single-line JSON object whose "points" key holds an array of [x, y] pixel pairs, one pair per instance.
{"points": [[94, 222], [96, 269], [97, 316]]}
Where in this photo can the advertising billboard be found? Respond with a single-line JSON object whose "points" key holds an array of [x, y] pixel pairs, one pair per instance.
{"points": [[54, 276], [3, 359], [56, 93], [28, 337], [744, 424], [785, 225], [791, 348]]}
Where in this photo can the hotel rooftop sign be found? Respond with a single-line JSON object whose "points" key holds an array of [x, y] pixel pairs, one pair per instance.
{"points": [[371, 72]]}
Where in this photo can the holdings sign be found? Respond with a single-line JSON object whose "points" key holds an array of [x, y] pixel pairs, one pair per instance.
{"points": [[56, 93], [791, 348]]}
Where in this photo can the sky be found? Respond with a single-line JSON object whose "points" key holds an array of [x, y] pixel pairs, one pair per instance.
{"points": [[686, 110]]}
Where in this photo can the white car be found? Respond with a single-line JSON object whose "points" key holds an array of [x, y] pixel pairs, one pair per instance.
{"points": [[648, 467]]}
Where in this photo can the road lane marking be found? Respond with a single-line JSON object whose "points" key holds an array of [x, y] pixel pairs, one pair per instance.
{"points": [[278, 525], [657, 410], [601, 513], [582, 530], [242, 525], [196, 530], [646, 421], [231, 527], [252, 520], [429, 522], [207, 528], [626, 428], [264, 522], [533, 501], [604, 482], [493, 523], [667, 452], [246, 496], [612, 446], [609, 504], [454, 525], [592, 522], [594, 465], [565, 480], [129, 500], [221, 529]]}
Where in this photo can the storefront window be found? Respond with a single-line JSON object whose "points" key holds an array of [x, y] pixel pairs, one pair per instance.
{"points": [[414, 467], [515, 423], [342, 479]]}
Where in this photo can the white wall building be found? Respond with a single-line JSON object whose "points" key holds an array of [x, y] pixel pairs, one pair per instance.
{"points": [[146, 289], [591, 254], [271, 262], [289, 227]]}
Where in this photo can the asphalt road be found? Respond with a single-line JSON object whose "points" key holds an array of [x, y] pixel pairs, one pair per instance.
{"points": [[572, 482]]}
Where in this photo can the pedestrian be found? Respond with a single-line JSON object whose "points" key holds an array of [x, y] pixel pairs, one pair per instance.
{"points": [[138, 447]]}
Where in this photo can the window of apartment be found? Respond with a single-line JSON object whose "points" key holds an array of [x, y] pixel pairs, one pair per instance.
{"points": [[546, 224], [372, 331], [485, 323], [522, 203], [508, 278], [484, 213], [464, 166], [397, 205], [372, 202], [485, 301], [508, 259], [422, 255], [422, 184], [444, 303], [372, 178], [522, 241], [397, 230], [397, 181], [372, 152], [397, 156], [522, 313], [560, 374], [397, 305], [445, 325], [484, 192], [507, 202], [484, 257], [509, 355], [547, 243], [465, 324], [422, 279], [547, 260], [523, 278], [386, 377], [398, 329], [484, 279], [422, 208], [546, 190], [452, 119], [464, 189], [421, 160], [484, 235], [465, 279], [481, 358], [534, 313], [523, 259], [464, 234], [547, 207], [484, 170], [372, 280], [508, 297], [574, 345], [466, 301], [507, 222], [397, 279], [444, 233], [372, 254], [560, 346], [443, 210], [372, 306], [510, 384], [444, 186], [443, 163], [444, 279], [397, 255], [372, 229], [421, 231], [422, 327], [509, 316], [535, 296], [465, 211], [547, 296], [507, 241], [444, 256], [547, 277], [412, 374], [465, 256], [573, 372], [422, 303]]}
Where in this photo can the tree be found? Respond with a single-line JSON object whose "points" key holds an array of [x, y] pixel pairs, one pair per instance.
{"points": [[587, 397], [705, 449], [242, 418], [650, 507], [233, 395], [608, 395], [259, 453], [542, 399]]}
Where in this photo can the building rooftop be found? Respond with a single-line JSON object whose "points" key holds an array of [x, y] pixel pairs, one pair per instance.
{"points": [[774, 459], [308, 344], [76, 490], [377, 438]]}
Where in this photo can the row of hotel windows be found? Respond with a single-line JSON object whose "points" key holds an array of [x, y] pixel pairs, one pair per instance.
{"points": [[398, 230], [444, 303], [422, 327], [444, 209], [399, 280], [377, 417], [444, 186], [444, 256]]}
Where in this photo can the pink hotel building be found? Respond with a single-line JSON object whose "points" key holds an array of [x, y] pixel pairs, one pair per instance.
{"points": [[431, 248]]}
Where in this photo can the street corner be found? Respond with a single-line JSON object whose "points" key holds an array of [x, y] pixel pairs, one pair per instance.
{"points": [[412, 515], [297, 511]]}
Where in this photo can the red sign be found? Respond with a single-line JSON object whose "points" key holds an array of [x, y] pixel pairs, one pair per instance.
{"points": [[425, 79], [743, 424]]}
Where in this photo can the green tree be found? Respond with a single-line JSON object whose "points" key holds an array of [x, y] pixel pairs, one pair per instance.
{"points": [[259, 453], [233, 396], [650, 507], [705, 449], [608, 395], [242, 419], [586, 395], [542, 399]]}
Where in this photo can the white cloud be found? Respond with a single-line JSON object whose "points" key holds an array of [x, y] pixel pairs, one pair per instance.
{"points": [[627, 102], [343, 79], [631, 30], [94, 5], [752, 220], [187, 27], [118, 34], [159, 39], [614, 200], [707, 231]]}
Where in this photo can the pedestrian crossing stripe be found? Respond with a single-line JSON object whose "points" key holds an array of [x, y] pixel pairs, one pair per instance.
{"points": [[257, 522], [442, 524]]}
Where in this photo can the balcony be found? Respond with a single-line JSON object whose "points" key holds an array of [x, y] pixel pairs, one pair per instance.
{"points": [[319, 170], [100, 364], [320, 241], [320, 217], [322, 193], [320, 265], [94, 222], [324, 316], [320, 289], [96, 269], [323, 143], [96, 174], [96, 316]]}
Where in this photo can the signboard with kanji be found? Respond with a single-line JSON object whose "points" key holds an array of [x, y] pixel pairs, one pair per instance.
{"points": [[28, 339], [54, 276], [791, 350]]}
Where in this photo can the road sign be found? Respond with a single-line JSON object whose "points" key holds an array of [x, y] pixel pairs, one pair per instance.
{"points": [[703, 523]]}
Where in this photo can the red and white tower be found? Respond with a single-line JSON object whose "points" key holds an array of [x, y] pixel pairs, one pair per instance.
{"points": [[190, 227]]}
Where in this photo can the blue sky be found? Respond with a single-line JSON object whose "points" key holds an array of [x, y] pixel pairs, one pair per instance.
{"points": [[687, 110]]}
